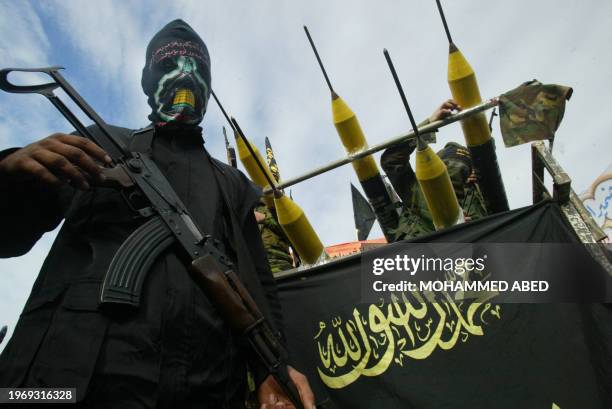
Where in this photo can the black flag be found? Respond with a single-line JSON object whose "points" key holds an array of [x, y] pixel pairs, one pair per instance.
{"points": [[272, 160], [475, 353], [364, 215]]}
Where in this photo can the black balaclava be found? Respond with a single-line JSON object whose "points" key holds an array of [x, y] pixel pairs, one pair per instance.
{"points": [[176, 76], [458, 162]]}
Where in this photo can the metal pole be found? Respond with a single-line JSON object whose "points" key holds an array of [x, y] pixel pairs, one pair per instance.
{"points": [[433, 126]]}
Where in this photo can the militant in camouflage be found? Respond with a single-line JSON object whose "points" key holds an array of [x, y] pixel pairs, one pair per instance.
{"points": [[415, 219], [274, 240]]}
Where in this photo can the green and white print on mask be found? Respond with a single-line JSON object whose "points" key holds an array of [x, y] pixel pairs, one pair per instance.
{"points": [[182, 94]]}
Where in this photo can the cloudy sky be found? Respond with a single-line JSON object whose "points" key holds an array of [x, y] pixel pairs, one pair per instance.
{"points": [[266, 75]]}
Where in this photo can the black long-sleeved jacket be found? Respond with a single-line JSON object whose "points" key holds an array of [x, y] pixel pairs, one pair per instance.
{"points": [[175, 345]]}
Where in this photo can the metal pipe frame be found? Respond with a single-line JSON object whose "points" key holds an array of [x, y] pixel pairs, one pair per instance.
{"points": [[431, 127]]}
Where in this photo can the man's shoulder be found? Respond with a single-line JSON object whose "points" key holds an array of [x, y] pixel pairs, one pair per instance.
{"points": [[242, 191], [235, 176], [229, 171]]}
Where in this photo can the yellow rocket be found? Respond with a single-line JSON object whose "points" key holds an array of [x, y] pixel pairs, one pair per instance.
{"points": [[435, 183], [353, 139], [249, 161], [431, 172], [465, 91], [298, 229], [290, 216]]}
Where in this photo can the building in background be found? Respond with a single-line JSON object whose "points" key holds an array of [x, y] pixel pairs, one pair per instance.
{"points": [[598, 200]]}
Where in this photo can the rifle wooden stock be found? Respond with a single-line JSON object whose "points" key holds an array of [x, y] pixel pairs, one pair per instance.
{"points": [[238, 309]]}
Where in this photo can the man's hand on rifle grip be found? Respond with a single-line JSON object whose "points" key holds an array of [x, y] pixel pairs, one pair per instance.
{"points": [[55, 159], [271, 396]]}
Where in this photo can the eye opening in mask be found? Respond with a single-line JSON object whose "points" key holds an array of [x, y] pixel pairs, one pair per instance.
{"points": [[167, 64]]}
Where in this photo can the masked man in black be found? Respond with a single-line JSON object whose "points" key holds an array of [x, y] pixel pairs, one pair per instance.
{"points": [[174, 350]]}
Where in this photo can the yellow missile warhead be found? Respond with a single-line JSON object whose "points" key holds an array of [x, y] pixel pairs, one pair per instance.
{"points": [[250, 164], [298, 229], [464, 88], [431, 173], [476, 131], [462, 79], [352, 138], [437, 188]]}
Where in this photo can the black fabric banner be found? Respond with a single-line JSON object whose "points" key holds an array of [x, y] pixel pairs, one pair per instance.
{"points": [[450, 355]]}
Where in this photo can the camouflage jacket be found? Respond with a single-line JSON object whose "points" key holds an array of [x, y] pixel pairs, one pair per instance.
{"points": [[275, 241], [532, 112], [415, 219]]}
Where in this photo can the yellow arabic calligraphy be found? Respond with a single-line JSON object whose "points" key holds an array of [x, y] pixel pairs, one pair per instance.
{"points": [[357, 347]]}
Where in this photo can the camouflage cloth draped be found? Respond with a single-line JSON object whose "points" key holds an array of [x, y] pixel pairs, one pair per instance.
{"points": [[415, 219], [532, 112], [275, 241]]}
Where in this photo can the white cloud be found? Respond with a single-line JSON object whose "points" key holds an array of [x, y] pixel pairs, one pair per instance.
{"points": [[16, 277], [24, 44], [24, 40]]}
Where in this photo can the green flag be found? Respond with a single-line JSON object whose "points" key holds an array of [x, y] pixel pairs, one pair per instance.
{"points": [[532, 112]]}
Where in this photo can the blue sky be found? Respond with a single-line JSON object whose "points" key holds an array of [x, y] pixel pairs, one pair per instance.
{"points": [[266, 75]]}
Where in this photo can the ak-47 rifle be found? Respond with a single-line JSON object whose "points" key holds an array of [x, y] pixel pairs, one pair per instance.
{"points": [[168, 222]]}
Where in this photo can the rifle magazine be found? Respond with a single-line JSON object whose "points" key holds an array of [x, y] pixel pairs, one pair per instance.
{"points": [[127, 271]]}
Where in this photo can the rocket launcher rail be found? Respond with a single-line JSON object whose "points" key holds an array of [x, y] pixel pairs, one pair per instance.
{"points": [[431, 127]]}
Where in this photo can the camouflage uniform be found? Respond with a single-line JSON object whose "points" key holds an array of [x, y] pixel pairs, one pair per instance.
{"points": [[532, 112], [275, 241], [415, 219]]}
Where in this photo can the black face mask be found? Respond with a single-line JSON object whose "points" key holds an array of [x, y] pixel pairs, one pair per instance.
{"points": [[176, 77]]}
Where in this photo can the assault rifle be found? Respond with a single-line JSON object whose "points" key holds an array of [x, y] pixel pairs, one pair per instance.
{"points": [[168, 222]]}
